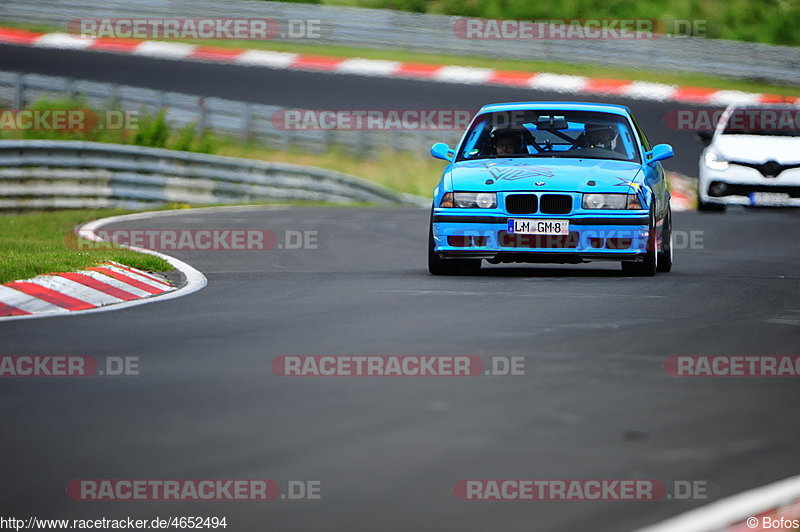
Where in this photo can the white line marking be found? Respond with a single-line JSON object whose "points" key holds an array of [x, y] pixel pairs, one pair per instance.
{"points": [[23, 301], [732, 510]]}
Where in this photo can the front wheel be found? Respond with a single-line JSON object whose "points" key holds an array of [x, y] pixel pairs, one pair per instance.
{"points": [[440, 266], [702, 206], [665, 253], [707, 207], [649, 266]]}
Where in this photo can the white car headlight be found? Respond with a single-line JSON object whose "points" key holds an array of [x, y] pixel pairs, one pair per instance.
{"points": [[607, 201], [715, 161], [481, 200]]}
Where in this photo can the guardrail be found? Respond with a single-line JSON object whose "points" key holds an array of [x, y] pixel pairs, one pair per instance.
{"points": [[244, 120], [37, 174], [380, 28]]}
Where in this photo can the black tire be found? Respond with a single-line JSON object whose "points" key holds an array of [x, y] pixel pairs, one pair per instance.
{"points": [[707, 207], [440, 266], [664, 263], [649, 266]]}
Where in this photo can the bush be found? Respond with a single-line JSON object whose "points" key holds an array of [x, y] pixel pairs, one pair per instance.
{"points": [[150, 130], [767, 21], [153, 132]]}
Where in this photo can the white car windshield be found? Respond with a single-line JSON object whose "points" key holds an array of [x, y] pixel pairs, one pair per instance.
{"points": [[778, 121]]}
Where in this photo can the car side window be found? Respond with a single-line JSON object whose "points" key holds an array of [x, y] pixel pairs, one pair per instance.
{"points": [[472, 143], [628, 144], [642, 136]]}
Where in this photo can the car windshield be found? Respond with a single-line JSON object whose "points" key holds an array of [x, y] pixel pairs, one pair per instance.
{"points": [[779, 122], [548, 134]]}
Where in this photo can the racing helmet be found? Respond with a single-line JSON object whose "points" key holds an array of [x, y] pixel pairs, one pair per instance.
{"points": [[601, 136], [505, 133]]}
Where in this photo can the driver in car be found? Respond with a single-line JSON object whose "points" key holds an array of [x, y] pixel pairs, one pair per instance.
{"points": [[603, 137], [506, 142]]}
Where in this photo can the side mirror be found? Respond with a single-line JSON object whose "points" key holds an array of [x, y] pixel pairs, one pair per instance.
{"points": [[705, 137], [442, 151], [659, 153]]}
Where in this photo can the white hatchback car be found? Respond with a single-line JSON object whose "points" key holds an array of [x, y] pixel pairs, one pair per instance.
{"points": [[751, 158]]}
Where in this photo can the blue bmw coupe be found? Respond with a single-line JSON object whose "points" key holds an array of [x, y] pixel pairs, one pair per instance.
{"points": [[551, 182]]}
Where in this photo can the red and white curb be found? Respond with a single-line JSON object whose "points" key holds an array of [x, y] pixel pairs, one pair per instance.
{"points": [[683, 190], [545, 81], [754, 510], [109, 286], [106, 284]]}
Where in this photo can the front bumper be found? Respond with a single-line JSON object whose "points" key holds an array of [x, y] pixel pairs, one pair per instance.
{"points": [[740, 185], [608, 235]]}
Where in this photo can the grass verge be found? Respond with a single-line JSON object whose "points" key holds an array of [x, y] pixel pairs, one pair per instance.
{"points": [[42, 242]]}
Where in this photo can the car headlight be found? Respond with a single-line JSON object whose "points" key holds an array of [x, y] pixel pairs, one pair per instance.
{"points": [[715, 161], [611, 201], [469, 200]]}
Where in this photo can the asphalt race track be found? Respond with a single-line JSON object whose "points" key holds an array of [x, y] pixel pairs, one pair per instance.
{"points": [[595, 401]]}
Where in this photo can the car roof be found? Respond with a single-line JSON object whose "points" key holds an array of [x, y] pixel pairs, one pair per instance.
{"points": [[557, 106]]}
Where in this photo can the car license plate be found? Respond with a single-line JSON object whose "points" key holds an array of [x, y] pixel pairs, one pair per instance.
{"points": [[538, 227], [769, 198]]}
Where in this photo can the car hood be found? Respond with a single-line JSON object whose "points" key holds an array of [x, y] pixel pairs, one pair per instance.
{"points": [[565, 175], [758, 148]]}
